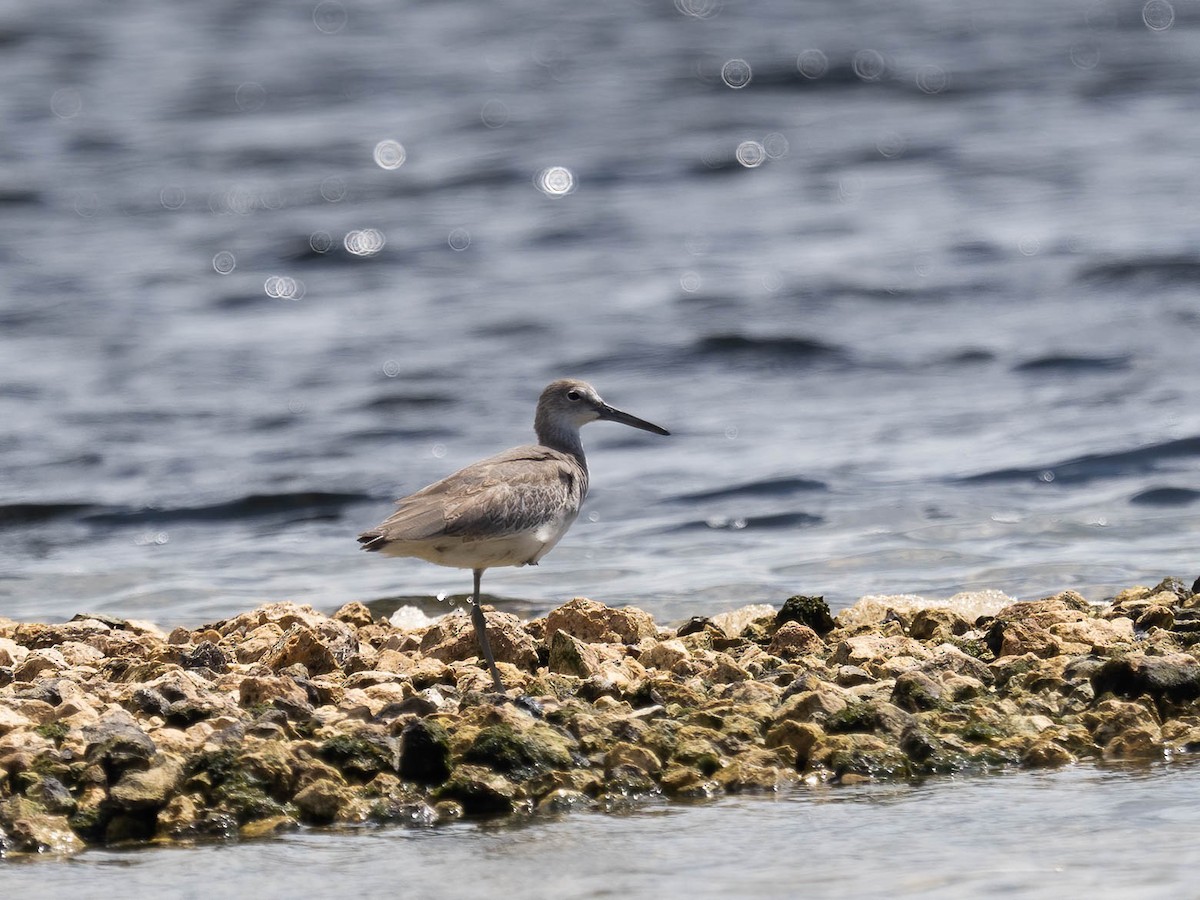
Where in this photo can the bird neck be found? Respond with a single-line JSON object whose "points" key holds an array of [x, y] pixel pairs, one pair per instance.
{"points": [[564, 439]]}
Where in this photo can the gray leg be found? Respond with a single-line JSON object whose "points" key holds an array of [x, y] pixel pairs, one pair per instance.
{"points": [[481, 634]]}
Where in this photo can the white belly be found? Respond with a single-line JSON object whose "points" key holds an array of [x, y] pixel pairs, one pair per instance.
{"points": [[484, 552]]}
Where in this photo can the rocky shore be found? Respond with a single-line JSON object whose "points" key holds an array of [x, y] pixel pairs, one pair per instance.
{"points": [[114, 731]]}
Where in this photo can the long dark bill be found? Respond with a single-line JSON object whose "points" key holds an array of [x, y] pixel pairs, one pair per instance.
{"points": [[615, 415]]}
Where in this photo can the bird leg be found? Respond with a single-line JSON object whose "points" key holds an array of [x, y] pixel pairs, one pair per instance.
{"points": [[485, 645]]}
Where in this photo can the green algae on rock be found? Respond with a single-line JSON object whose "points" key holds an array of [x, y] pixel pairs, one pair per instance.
{"points": [[281, 717]]}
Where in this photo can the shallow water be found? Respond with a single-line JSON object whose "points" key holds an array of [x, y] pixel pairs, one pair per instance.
{"points": [[941, 339], [1077, 832]]}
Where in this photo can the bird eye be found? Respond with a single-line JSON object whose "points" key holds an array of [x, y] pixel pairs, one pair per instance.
{"points": [[573, 395]]}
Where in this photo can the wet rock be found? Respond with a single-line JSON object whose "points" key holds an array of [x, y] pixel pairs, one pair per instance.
{"points": [[228, 730], [594, 622], [1175, 678], [625, 754], [520, 747], [362, 755], [811, 612], [479, 791], [31, 829], [51, 795], [1018, 638], [321, 801], [151, 788], [915, 691], [870, 716], [1047, 754], [424, 752]]}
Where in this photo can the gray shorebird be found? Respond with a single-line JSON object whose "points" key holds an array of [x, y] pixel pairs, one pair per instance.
{"points": [[506, 510]]}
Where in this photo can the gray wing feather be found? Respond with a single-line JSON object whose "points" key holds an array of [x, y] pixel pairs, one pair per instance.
{"points": [[512, 492]]}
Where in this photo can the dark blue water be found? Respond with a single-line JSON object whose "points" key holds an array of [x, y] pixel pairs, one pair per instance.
{"points": [[913, 284]]}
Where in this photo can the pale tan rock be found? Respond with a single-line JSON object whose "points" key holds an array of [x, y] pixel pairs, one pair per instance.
{"points": [[12, 720], [301, 645], [11, 653], [664, 654], [265, 689], [626, 754], [594, 622], [569, 655], [793, 639], [79, 654], [39, 664], [149, 788], [735, 621], [256, 643], [812, 706], [1096, 632], [453, 638], [865, 648]]}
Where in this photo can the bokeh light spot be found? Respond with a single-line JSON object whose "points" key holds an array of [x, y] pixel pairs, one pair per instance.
{"points": [[172, 197], [390, 154], [329, 16], [320, 241], [1085, 56], [775, 145], [892, 145], [1159, 15], [931, 79], [224, 262], [751, 154], [66, 103], [690, 282], [812, 63], [555, 181], [333, 189], [283, 287], [736, 73], [869, 65], [364, 241], [459, 239], [698, 9], [86, 204], [494, 114], [250, 96]]}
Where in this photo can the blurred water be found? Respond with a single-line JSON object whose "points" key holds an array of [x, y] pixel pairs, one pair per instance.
{"points": [[913, 284]]}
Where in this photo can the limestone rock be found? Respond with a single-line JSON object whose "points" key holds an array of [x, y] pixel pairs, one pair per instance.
{"points": [[453, 638], [595, 623], [793, 639], [147, 788]]}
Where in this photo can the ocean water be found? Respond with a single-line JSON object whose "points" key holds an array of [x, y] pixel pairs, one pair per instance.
{"points": [[914, 286]]}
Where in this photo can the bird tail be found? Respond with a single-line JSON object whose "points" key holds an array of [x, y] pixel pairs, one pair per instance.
{"points": [[372, 540]]}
